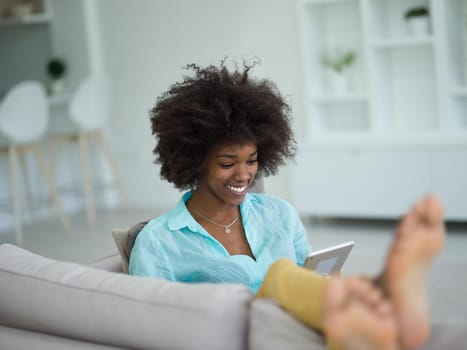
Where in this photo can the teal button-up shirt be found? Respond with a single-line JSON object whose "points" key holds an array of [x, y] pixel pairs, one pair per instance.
{"points": [[174, 246]]}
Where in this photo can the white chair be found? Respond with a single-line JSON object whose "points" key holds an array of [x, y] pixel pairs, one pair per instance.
{"points": [[24, 115], [88, 110]]}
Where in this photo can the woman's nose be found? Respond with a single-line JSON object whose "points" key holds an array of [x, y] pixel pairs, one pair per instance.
{"points": [[242, 173]]}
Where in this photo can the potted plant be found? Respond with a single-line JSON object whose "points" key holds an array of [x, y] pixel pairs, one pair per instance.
{"points": [[419, 20], [56, 70], [337, 62]]}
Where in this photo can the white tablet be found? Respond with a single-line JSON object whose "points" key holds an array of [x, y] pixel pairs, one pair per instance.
{"points": [[329, 260]]}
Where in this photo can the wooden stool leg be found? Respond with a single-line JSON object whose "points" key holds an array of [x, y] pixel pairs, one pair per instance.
{"points": [[53, 157], [24, 165], [106, 150], [13, 160], [51, 185], [87, 186]]}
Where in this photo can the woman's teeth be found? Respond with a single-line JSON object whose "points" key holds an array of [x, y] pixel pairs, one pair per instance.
{"points": [[236, 188]]}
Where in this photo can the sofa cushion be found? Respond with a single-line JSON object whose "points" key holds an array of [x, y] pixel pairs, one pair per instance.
{"points": [[125, 240], [120, 238], [75, 301]]}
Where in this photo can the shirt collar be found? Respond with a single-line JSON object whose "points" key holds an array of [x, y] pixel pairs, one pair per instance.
{"points": [[180, 217]]}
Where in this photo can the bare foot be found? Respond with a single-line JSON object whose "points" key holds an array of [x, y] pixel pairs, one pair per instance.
{"points": [[357, 317], [418, 240]]}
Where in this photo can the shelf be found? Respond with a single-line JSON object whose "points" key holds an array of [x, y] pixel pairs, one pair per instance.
{"points": [[400, 43], [343, 98], [40, 18], [327, 2], [356, 138]]}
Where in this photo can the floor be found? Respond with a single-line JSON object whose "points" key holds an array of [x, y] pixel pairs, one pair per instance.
{"points": [[447, 279]]}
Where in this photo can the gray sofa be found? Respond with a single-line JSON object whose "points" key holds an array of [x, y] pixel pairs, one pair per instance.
{"points": [[48, 304]]}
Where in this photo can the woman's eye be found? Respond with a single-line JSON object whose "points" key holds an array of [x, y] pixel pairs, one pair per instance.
{"points": [[252, 161], [226, 165]]}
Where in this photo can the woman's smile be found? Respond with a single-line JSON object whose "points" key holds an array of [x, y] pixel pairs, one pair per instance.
{"points": [[237, 189]]}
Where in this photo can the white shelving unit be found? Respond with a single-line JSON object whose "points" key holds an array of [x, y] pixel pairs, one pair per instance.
{"points": [[330, 25], [406, 105], [24, 40], [455, 17], [51, 28]]}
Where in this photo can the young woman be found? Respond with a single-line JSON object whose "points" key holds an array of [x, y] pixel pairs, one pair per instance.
{"points": [[216, 132]]}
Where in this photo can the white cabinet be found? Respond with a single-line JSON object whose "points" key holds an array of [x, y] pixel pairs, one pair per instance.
{"points": [[359, 182], [448, 170], [378, 182], [399, 129]]}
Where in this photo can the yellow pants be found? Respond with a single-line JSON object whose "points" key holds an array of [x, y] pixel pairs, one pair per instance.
{"points": [[297, 290]]}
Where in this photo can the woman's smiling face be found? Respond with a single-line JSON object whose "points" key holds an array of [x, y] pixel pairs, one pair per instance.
{"points": [[229, 172]]}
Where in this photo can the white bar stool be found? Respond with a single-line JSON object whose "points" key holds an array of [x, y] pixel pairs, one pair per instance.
{"points": [[24, 115], [88, 110]]}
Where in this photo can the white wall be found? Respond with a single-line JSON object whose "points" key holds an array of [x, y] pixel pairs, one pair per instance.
{"points": [[69, 41], [147, 42]]}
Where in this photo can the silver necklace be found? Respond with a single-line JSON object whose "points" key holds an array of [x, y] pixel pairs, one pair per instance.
{"points": [[225, 227]]}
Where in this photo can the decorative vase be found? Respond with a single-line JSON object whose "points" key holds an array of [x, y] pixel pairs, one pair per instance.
{"points": [[419, 26], [56, 86], [338, 82]]}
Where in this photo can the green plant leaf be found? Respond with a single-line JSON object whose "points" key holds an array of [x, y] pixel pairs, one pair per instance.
{"points": [[338, 59]]}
